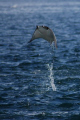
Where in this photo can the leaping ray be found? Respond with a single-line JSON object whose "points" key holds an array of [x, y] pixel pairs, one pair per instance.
{"points": [[45, 33]]}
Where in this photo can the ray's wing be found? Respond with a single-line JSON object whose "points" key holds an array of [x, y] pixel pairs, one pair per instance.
{"points": [[50, 35], [54, 37], [35, 35]]}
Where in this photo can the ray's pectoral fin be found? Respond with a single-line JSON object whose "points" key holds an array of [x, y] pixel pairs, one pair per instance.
{"points": [[30, 40], [36, 35], [55, 44], [33, 38]]}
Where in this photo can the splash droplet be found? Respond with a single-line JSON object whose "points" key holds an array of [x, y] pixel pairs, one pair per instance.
{"points": [[51, 76]]}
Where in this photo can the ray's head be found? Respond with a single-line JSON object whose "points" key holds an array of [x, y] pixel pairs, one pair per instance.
{"points": [[42, 27]]}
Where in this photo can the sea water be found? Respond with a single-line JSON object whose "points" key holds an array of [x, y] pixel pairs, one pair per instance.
{"points": [[36, 82]]}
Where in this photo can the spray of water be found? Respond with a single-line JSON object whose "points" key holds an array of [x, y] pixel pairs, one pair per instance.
{"points": [[51, 76]]}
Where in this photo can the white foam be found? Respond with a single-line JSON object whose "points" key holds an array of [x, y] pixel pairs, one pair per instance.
{"points": [[14, 6], [51, 76]]}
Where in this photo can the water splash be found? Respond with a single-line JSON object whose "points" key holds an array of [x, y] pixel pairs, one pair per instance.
{"points": [[51, 76]]}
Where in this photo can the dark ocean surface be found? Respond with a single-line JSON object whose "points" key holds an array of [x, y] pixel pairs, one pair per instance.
{"points": [[38, 81]]}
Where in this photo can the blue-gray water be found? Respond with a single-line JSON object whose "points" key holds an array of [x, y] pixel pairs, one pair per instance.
{"points": [[38, 81]]}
